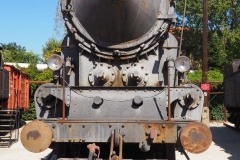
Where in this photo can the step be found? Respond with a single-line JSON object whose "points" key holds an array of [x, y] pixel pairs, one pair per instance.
{"points": [[9, 110], [6, 125], [7, 120], [9, 115], [4, 131], [4, 144], [5, 137]]}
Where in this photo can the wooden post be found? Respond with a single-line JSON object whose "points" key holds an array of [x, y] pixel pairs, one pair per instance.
{"points": [[205, 113]]}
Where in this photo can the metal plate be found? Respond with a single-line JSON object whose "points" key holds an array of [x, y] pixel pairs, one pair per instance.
{"points": [[36, 136], [196, 137]]}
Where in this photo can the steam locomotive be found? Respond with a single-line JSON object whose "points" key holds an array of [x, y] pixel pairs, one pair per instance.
{"points": [[118, 86]]}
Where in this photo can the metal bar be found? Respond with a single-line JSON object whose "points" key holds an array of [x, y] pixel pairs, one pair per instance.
{"points": [[216, 92], [111, 147], [63, 101], [169, 103], [39, 82]]}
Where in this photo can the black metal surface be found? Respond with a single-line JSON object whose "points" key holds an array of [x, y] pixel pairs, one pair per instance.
{"points": [[114, 22], [4, 85]]}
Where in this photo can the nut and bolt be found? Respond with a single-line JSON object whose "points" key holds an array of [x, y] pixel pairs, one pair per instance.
{"points": [[147, 132]]}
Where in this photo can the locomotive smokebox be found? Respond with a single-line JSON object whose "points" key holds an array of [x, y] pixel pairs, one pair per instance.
{"points": [[115, 23]]}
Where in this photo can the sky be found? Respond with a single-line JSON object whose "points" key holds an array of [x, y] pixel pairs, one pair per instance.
{"points": [[29, 23]]}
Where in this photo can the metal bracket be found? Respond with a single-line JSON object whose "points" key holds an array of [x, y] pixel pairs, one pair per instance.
{"points": [[116, 138]]}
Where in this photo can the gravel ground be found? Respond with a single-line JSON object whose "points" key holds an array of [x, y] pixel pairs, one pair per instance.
{"points": [[18, 152], [225, 146]]}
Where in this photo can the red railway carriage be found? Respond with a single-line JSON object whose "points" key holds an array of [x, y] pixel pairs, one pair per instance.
{"points": [[14, 96], [14, 89]]}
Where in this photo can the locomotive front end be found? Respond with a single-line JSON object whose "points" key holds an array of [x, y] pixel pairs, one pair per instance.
{"points": [[118, 85]]}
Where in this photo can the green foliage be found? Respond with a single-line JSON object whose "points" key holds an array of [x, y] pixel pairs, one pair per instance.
{"points": [[223, 35], [18, 54], [215, 78], [51, 47], [29, 114], [217, 112], [213, 75]]}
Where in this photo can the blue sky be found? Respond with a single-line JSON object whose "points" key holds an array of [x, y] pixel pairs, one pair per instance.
{"points": [[29, 23]]}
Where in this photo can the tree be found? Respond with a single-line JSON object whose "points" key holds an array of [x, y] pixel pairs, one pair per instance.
{"points": [[59, 27], [18, 54], [51, 46], [223, 26]]}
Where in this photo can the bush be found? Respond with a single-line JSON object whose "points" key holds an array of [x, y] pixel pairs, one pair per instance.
{"points": [[217, 112], [212, 75], [29, 114]]}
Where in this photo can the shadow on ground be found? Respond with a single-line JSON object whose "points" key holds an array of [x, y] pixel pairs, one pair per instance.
{"points": [[228, 139]]}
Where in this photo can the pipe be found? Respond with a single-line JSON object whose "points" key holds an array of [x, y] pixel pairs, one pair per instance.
{"points": [[170, 72], [90, 155], [63, 85]]}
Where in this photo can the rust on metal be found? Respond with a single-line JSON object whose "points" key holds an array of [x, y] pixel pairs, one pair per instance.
{"points": [[162, 133], [36, 136], [153, 133], [196, 137], [33, 134]]}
